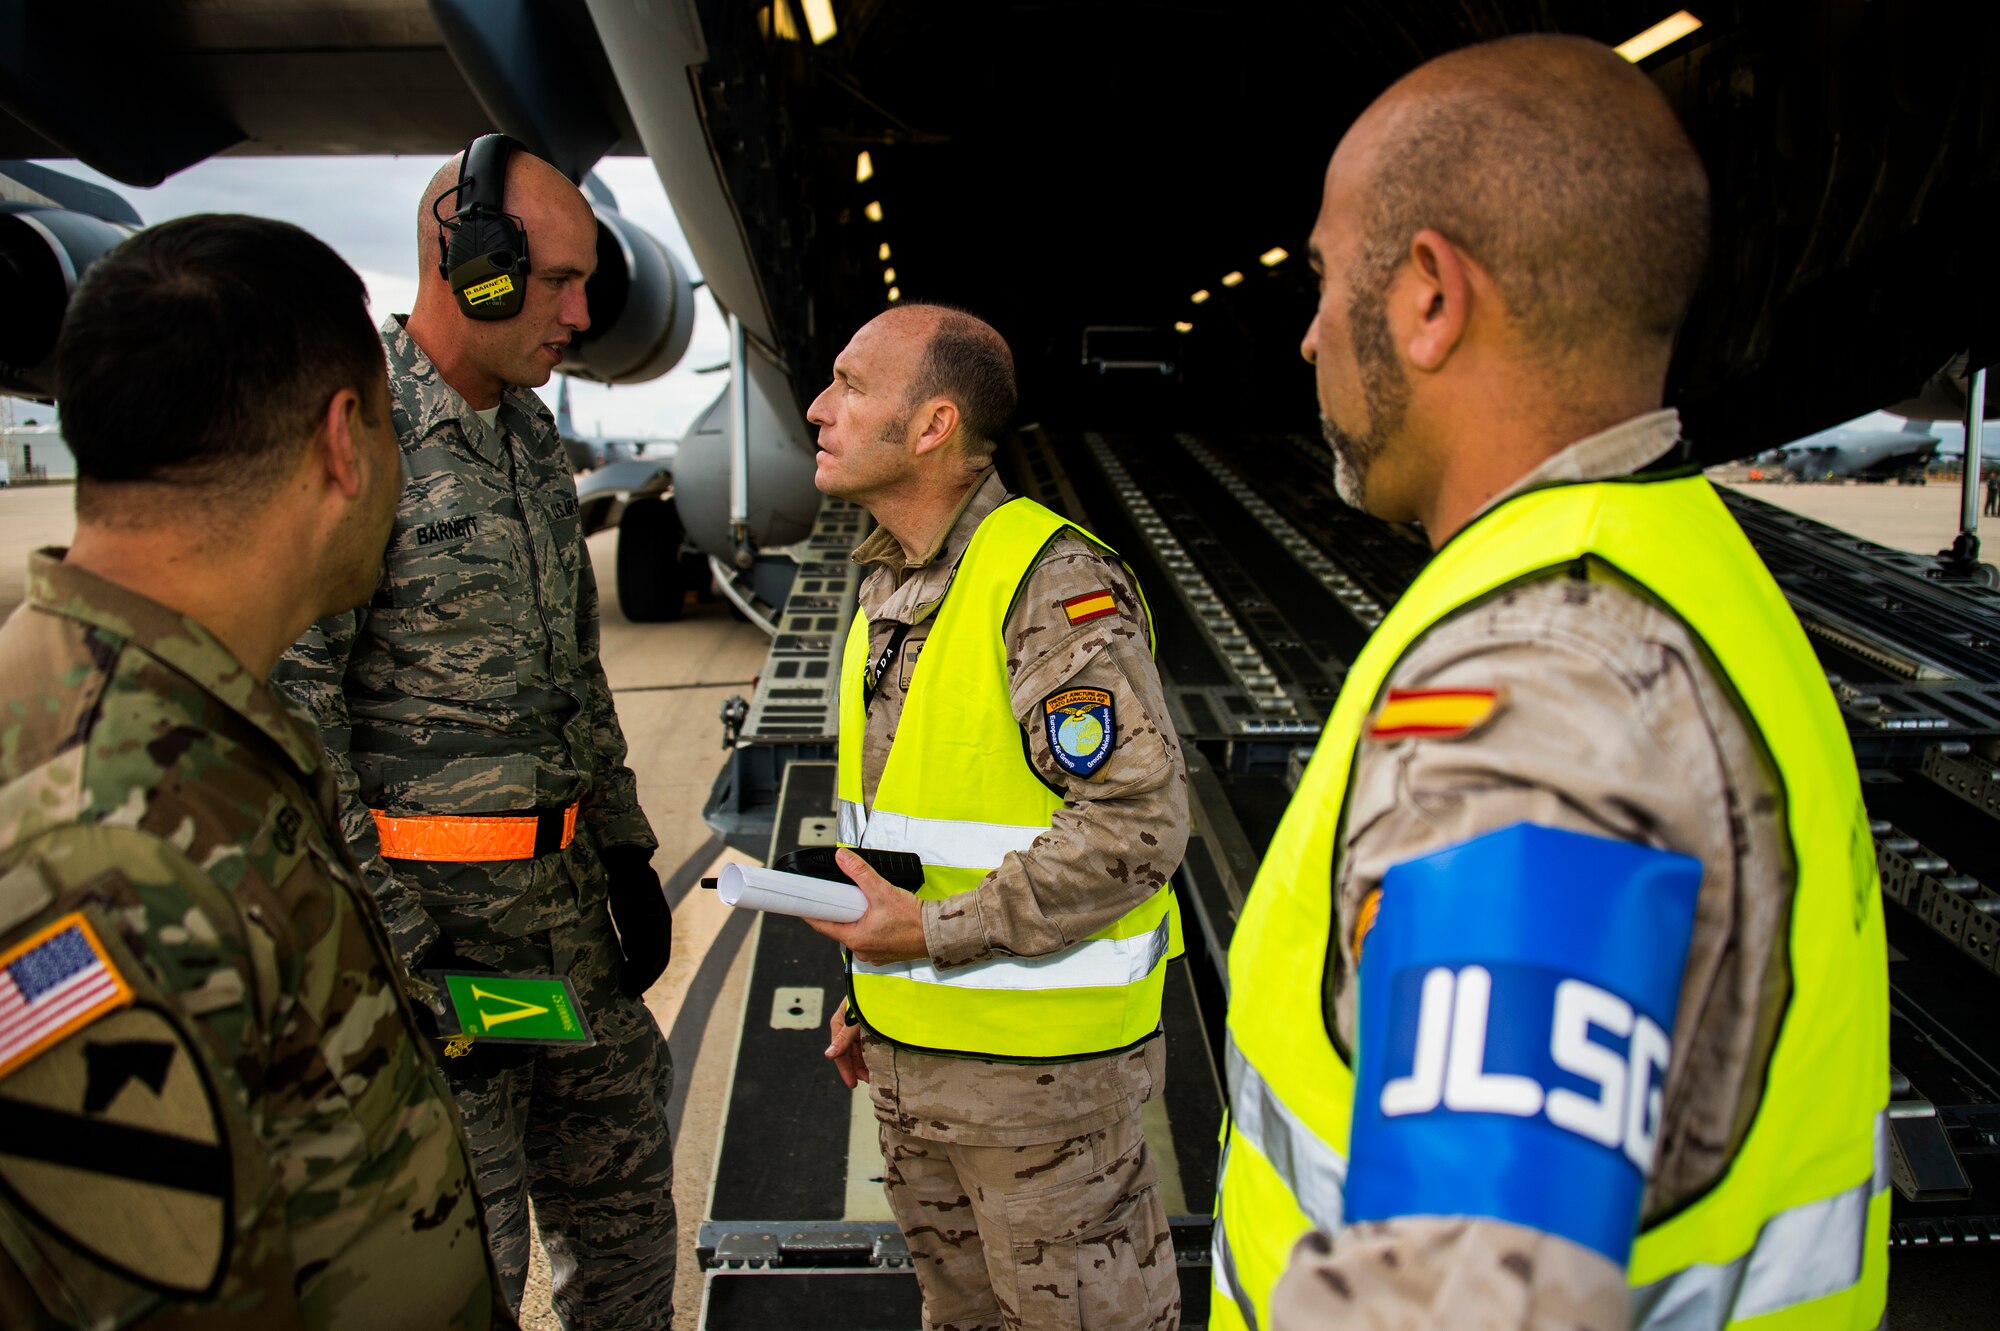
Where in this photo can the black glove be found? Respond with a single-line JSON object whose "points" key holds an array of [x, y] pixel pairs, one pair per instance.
{"points": [[482, 1058], [639, 914]]}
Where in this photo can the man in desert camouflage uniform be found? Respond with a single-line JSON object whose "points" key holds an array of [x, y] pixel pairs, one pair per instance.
{"points": [[1551, 738], [469, 689], [215, 1107], [1025, 1189]]}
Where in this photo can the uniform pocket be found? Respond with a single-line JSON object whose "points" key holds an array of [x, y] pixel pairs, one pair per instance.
{"points": [[464, 650], [448, 610], [1095, 1253]]}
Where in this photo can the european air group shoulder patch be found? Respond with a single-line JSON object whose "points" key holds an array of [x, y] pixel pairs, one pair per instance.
{"points": [[1081, 729], [57, 980], [1434, 713], [1091, 605]]}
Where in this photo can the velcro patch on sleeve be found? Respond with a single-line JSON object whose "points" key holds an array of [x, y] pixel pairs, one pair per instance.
{"points": [[1089, 606], [1517, 1006], [1082, 729], [1434, 713], [57, 980]]}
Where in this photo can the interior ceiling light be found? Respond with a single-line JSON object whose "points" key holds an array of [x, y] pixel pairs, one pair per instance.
{"points": [[864, 168], [1183, 326], [1199, 296], [819, 20], [1231, 279], [882, 252], [1274, 256], [895, 294], [888, 277], [1663, 33], [873, 210], [775, 20]]}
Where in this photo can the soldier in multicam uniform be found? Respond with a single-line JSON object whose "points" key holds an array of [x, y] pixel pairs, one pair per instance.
{"points": [[215, 1106], [1021, 1180], [464, 702]]}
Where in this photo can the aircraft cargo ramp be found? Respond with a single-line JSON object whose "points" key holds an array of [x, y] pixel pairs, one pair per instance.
{"points": [[1263, 587]]}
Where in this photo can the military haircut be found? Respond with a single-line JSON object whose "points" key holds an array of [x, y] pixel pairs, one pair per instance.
{"points": [[967, 361], [1562, 170], [201, 353]]}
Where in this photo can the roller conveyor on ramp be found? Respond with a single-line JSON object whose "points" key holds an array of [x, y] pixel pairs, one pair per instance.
{"points": [[1263, 587]]}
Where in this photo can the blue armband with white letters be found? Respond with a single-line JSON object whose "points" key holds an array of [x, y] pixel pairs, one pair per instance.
{"points": [[1516, 1019]]}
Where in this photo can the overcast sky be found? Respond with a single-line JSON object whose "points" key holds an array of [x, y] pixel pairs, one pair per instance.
{"points": [[366, 209]]}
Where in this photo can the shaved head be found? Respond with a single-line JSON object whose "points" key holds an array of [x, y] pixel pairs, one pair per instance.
{"points": [[1561, 169], [965, 360], [528, 178], [481, 358]]}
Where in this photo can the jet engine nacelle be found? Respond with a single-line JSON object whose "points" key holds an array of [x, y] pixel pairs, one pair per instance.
{"points": [[44, 253], [641, 308]]}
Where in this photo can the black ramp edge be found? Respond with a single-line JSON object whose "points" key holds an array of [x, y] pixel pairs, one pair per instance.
{"points": [[784, 1144], [813, 1301], [1194, 1101], [859, 1301]]}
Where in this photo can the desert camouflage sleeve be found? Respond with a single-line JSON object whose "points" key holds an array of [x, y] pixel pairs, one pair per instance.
{"points": [[613, 813], [1120, 833], [313, 674], [1607, 726]]}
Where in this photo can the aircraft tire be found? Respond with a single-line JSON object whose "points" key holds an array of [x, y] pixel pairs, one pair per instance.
{"points": [[651, 582]]}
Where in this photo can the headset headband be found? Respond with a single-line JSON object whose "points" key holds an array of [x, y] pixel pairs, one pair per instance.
{"points": [[483, 249]]}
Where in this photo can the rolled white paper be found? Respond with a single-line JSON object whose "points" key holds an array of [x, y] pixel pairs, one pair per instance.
{"points": [[749, 887]]}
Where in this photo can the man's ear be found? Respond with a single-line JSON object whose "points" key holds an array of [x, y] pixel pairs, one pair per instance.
{"points": [[1431, 303], [939, 417], [337, 443]]}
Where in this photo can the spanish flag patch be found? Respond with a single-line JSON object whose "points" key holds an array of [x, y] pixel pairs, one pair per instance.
{"points": [[1433, 713], [1089, 606]]}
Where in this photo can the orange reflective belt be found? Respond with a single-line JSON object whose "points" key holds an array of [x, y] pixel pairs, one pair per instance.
{"points": [[471, 839]]}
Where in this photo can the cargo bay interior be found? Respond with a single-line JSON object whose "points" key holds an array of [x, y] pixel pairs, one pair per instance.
{"points": [[1125, 190]]}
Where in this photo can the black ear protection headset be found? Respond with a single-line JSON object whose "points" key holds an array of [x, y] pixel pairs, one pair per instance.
{"points": [[483, 249]]}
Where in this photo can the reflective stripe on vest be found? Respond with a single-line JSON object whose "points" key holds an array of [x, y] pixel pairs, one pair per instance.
{"points": [[939, 842], [1314, 1173], [1095, 963], [959, 791], [1798, 1223], [1223, 1262], [1802, 1254]]}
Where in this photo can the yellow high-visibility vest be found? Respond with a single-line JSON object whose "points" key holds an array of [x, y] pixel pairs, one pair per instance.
{"points": [[1795, 1234], [959, 790]]}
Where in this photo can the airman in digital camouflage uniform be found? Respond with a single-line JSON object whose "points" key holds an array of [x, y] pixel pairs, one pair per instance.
{"points": [[215, 1108], [1021, 1179], [465, 699]]}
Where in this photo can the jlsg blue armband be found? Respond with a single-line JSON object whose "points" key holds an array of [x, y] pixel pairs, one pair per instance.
{"points": [[1516, 1020]]}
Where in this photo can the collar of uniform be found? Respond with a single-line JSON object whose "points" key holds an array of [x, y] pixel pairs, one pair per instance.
{"points": [[431, 402], [173, 639], [909, 589], [1619, 451]]}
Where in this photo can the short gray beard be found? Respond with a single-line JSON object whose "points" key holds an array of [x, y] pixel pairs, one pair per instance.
{"points": [[1352, 456]]}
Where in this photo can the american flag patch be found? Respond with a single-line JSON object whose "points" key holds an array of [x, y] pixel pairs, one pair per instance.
{"points": [[1089, 606], [54, 983]]}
